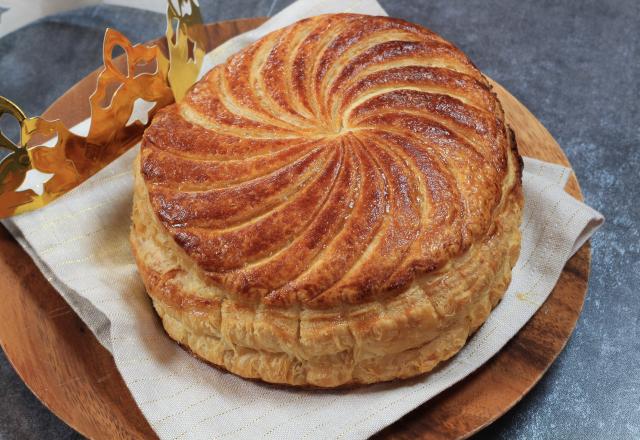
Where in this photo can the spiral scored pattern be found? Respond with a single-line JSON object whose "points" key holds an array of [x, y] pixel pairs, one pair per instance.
{"points": [[330, 162], [337, 204]]}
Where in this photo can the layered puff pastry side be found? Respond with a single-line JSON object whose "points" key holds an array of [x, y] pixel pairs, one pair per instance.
{"points": [[339, 203]]}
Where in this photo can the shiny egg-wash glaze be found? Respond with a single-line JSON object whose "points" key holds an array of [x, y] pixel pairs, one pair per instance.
{"points": [[339, 203]]}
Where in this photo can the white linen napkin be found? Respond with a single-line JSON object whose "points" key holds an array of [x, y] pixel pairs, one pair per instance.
{"points": [[80, 242]]}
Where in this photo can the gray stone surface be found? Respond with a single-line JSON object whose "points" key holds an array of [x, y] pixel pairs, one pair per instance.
{"points": [[574, 64]]}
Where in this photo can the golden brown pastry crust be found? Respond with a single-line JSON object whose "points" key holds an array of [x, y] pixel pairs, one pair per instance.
{"points": [[339, 203]]}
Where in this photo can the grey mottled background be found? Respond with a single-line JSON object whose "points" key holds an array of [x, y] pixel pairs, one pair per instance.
{"points": [[574, 63]]}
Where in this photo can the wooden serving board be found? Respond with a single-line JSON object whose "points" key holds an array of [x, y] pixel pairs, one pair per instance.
{"points": [[75, 377]]}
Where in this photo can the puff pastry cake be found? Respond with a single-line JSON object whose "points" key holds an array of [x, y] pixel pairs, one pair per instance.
{"points": [[337, 204]]}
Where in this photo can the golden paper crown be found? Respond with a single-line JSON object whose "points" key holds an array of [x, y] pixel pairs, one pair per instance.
{"points": [[67, 159]]}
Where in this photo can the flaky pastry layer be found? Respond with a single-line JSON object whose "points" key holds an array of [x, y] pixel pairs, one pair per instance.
{"points": [[397, 337], [338, 203]]}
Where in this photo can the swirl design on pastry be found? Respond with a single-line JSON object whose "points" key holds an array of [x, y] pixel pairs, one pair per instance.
{"points": [[332, 165]]}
